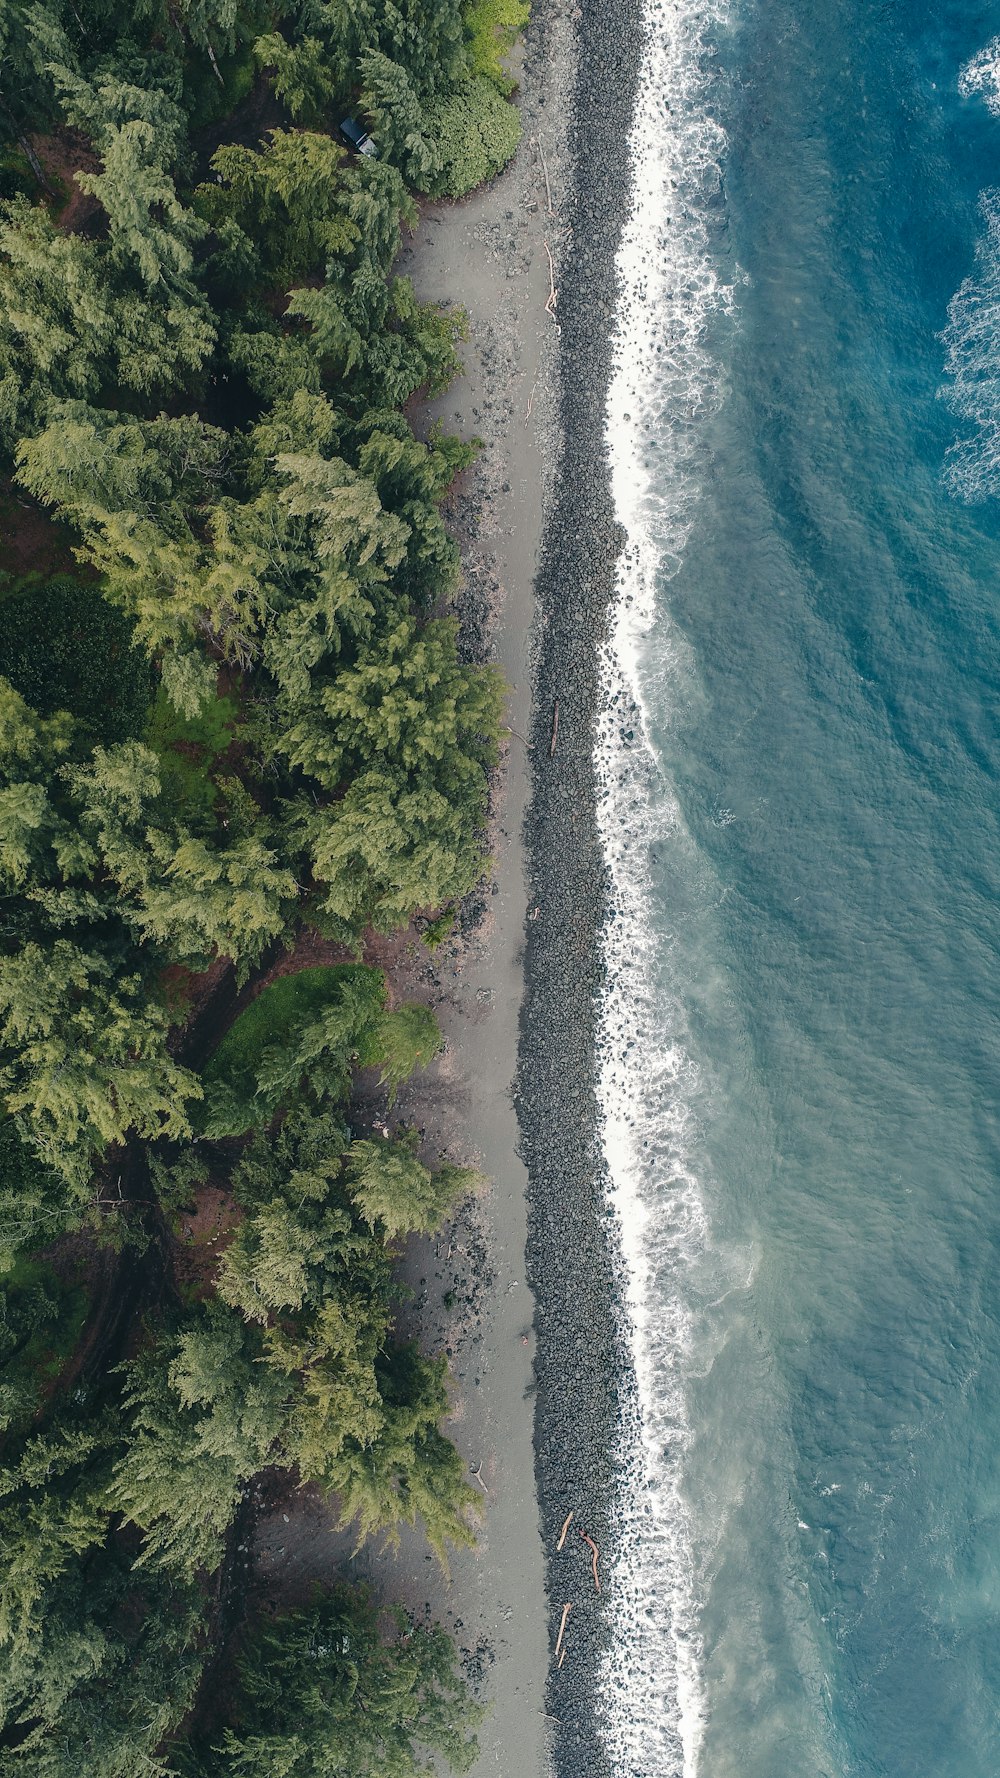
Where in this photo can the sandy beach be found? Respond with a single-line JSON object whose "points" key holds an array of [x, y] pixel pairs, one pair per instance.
{"points": [[490, 255]]}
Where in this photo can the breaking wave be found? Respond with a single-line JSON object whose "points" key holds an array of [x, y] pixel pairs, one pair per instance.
{"points": [[665, 383]]}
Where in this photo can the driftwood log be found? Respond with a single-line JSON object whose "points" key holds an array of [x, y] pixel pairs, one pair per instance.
{"points": [[562, 1631], [594, 1554]]}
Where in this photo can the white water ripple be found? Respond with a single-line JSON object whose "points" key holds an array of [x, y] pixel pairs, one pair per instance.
{"points": [[982, 76], [972, 364], [664, 384]]}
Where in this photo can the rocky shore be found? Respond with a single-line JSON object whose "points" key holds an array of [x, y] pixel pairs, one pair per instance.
{"points": [[582, 1365]]}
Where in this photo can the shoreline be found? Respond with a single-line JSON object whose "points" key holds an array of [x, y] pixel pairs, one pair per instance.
{"points": [[584, 1368]]}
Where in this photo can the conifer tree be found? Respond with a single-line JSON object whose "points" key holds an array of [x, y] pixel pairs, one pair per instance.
{"points": [[391, 101], [395, 1191], [340, 1690], [84, 1058], [204, 1417], [410, 1472]]}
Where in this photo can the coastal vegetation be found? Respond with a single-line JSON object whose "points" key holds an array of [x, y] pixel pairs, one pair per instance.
{"points": [[238, 738]]}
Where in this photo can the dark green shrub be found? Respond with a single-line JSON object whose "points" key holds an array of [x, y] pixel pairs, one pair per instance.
{"points": [[476, 132], [63, 647]]}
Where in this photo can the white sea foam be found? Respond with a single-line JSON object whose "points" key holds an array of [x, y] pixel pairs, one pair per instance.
{"points": [[664, 383], [972, 468], [982, 76], [972, 344]]}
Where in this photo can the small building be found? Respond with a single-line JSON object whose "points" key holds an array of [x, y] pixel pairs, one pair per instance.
{"points": [[357, 137]]}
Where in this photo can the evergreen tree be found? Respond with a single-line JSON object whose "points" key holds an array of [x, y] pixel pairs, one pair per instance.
{"points": [[410, 1471], [150, 231], [84, 1058], [396, 1192], [204, 1417], [391, 101], [340, 1690], [302, 74]]}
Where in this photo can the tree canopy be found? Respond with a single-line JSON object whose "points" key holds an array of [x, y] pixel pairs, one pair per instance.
{"points": [[240, 738]]}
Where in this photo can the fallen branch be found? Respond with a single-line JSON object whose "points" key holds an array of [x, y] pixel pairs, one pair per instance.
{"points": [[593, 1546], [562, 1630], [478, 1473], [555, 730], [531, 401], [506, 729], [550, 307], [566, 1526]]}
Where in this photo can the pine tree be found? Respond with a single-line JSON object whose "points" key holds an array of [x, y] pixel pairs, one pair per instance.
{"points": [[341, 1690], [395, 1191], [85, 1058], [204, 1417]]}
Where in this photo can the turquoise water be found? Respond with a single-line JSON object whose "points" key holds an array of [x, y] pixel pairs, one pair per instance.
{"points": [[822, 686]]}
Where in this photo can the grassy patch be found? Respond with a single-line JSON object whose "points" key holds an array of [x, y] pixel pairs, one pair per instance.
{"points": [[272, 1022], [492, 27]]}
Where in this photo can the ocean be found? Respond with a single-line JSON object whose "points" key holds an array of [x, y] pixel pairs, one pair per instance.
{"points": [[799, 761]]}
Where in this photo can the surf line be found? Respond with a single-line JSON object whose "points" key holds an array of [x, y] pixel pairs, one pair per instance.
{"points": [[664, 382]]}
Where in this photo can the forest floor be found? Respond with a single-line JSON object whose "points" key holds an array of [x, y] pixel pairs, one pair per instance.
{"points": [[467, 1294]]}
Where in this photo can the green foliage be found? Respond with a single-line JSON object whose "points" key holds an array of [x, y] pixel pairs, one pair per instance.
{"points": [[314, 1026], [201, 1425], [397, 116], [33, 1202], [301, 74], [206, 391], [411, 1471], [84, 1058], [40, 1322], [285, 197], [409, 1038], [340, 1690], [477, 133], [187, 748], [63, 647], [315, 1019], [492, 27], [136, 490], [395, 1191], [98, 1665]]}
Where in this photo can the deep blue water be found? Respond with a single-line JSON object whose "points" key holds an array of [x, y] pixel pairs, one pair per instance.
{"points": [[825, 688]]}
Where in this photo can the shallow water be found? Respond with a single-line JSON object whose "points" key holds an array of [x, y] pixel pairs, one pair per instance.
{"points": [[804, 1137]]}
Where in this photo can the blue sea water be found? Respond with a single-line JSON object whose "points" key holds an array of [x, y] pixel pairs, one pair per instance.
{"points": [[815, 1161]]}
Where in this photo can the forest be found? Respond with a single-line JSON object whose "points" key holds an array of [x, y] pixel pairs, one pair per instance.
{"points": [[239, 736]]}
